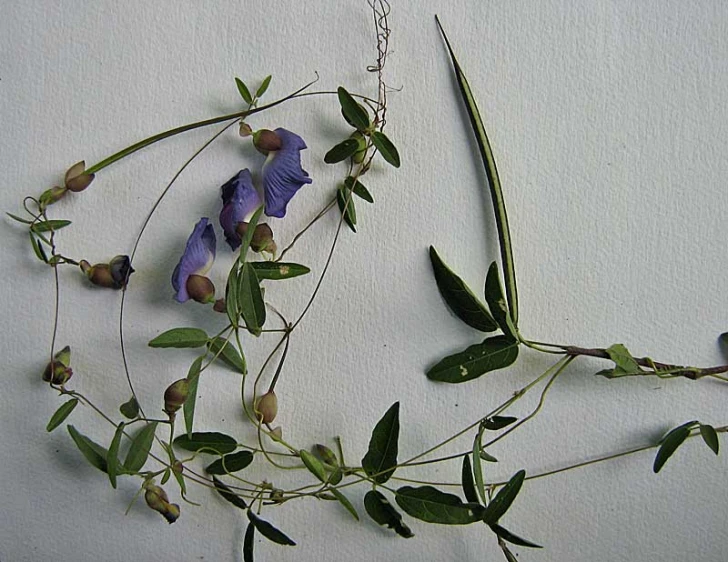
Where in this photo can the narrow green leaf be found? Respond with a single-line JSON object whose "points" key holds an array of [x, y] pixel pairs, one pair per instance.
{"points": [[497, 303], [623, 360], [431, 505], [138, 452], [467, 481], [19, 219], [342, 151], [250, 299], [263, 88], [348, 210], [459, 298], [670, 443], [244, 92], [225, 351], [498, 422], [343, 500], [94, 453], [47, 226], [228, 494], [211, 442], [384, 513], [180, 337], [38, 249], [166, 475], [230, 463], [193, 378], [231, 295], [354, 113], [130, 408], [385, 147], [478, 465], [314, 466], [493, 353], [358, 188], [248, 237], [278, 270], [269, 531], [112, 459], [380, 461], [510, 557], [60, 415], [507, 536], [486, 457], [710, 436], [496, 192], [504, 498], [249, 543]]}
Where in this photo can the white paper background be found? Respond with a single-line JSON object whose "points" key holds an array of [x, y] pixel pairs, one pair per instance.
{"points": [[609, 124]]}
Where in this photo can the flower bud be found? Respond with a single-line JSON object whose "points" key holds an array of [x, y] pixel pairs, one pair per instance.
{"points": [[245, 130], [200, 288], [220, 306], [262, 240], [50, 196], [325, 454], [59, 370], [112, 275], [276, 433], [157, 499], [175, 396], [266, 140], [76, 178], [267, 407]]}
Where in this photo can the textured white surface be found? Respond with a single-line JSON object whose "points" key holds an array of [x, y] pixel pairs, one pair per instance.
{"points": [[609, 124]]}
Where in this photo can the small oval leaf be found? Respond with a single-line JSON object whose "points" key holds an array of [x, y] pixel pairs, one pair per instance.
{"points": [[225, 351], [343, 500], [231, 463], [180, 337], [228, 494], [467, 481], [504, 498], [342, 151], [250, 300], [278, 270], [313, 465], [269, 531], [211, 442], [670, 443], [492, 354], [359, 189], [244, 92], [249, 543], [347, 209], [710, 436], [385, 147], [130, 408], [498, 422], [94, 453], [353, 112], [47, 226], [60, 415], [263, 88], [138, 452], [430, 504]]}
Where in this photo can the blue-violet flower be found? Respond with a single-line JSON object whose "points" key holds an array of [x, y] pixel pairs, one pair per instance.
{"points": [[194, 264], [239, 201], [283, 174]]}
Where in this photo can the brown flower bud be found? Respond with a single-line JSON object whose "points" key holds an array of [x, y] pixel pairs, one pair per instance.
{"points": [[220, 306], [59, 370], [50, 196], [157, 499], [175, 396], [112, 275], [266, 408], [200, 288], [79, 183], [262, 240], [76, 170], [245, 130], [266, 140]]}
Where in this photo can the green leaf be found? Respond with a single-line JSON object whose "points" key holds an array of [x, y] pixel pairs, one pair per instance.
{"points": [[112, 459], [180, 337], [228, 354], [478, 465], [278, 270], [138, 452], [314, 466], [248, 237], [94, 453], [385, 147], [384, 513], [496, 192], [493, 353], [343, 500], [60, 415], [244, 92], [342, 151], [269, 531], [459, 298], [228, 494], [354, 113], [250, 299], [467, 481], [380, 461], [710, 436], [230, 463], [47, 226], [497, 302], [38, 249], [670, 443], [623, 360], [347, 210], [358, 188], [193, 378], [231, 295], [249, 543], [130, 408], [211, 442], [498, 422], [431, 505], [19, 219], [504, 498], [263, 88], [507, 536], [486, 457]]}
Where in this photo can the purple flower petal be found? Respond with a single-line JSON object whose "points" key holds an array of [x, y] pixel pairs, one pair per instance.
{"points": [[197, 258], [282, 173], [239, 201]]}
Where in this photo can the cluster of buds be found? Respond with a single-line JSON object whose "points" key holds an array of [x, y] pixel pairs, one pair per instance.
{"points": [[157, 499], [59, 370], [76, 180], [113, 275]]}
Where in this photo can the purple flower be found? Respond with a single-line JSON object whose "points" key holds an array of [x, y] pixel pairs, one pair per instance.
{"points": [[282, 173], [239, 201], [196, 260]]}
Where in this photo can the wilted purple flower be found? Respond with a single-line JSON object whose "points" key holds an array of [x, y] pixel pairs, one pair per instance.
{"points": [[239, 201], [113, 275], [282, 173], [196, 260]]}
